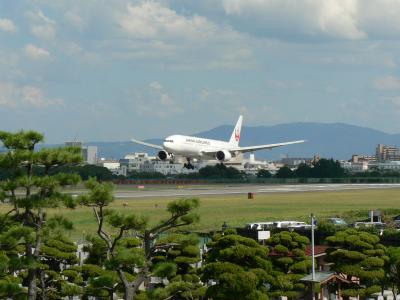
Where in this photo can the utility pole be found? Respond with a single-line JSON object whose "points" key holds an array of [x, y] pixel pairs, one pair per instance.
{"points": [[312, 255]]}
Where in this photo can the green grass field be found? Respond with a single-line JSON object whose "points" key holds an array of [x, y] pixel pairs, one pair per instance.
{"points": [[237, 210]]}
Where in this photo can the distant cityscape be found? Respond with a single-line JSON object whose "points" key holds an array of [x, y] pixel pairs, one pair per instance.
{"points": [[385, 158]]}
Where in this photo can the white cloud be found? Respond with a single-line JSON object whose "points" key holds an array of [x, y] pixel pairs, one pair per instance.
{"points": [[312, 18], [42, 26], [182, 41], [73, 18], [229, 104], [284, 84], [316, 19], [153, 20], [155, 85], [46, 31], [34, 96], [7, 25], [20, 97], [35, 52], [380, 18], [157, 101], [387, 83], [44, 18], [396, 101], [390, 63]]}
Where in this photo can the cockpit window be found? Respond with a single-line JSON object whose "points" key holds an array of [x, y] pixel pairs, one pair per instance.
{"points": [[169, 141]]}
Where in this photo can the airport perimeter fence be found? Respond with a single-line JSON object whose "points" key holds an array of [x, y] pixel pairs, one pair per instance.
{"points": [[182, 181]]}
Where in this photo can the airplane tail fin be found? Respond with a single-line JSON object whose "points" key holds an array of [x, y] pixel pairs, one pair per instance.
{"points": [[235, 137]]}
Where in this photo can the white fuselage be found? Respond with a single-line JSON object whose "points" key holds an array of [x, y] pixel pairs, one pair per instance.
{"points": [[193, 147]]}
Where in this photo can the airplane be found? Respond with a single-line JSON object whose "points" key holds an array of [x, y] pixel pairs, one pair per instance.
{"points": [[192, 147]]}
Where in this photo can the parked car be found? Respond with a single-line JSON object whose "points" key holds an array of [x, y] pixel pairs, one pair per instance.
{"points": [[290, 224], [377, 225], [337, 221], [259, 225]]}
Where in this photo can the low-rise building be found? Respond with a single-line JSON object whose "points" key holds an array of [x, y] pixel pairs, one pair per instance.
{"points": [[385, 166], [113, 165], [252, 166], [165, 167], [356, 158], [355, 167], [132, 162], [294, 162]]}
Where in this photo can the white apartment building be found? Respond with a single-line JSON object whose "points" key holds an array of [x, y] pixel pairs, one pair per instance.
{"points": [[355, 167], [251, 166], [142, 162], [133, 161], [113, 165], [164, 167], [385, 166]]}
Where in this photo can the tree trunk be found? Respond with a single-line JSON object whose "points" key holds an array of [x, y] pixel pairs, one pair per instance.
{"points": [[32, 288], [32, 273], [147, 244], [129, 293], [43, 285], [32, 292]]}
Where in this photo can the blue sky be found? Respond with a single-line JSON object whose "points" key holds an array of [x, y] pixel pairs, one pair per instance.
{"points": [[101, 70]]}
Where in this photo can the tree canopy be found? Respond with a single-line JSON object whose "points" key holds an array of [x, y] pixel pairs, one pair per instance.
{"points": [[30, 194], [358, 254], [239, 266], [142, 255], [290, 263]]}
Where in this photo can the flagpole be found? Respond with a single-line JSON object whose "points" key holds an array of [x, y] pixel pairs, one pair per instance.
{"points": [[312, 247], [312, 256]]}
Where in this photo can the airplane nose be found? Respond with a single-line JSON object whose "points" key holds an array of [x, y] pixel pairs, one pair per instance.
{"points": [[167, 146]]}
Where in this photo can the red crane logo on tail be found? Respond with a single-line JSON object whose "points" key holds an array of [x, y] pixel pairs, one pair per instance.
{"points": [[237, 135]]}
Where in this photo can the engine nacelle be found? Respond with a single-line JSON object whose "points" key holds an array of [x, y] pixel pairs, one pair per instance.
{"points": [[164, 155], [223, 155]]}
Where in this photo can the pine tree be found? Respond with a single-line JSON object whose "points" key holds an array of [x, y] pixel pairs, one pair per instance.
{"points": [[130, 246], [290, 263], [174, 262], [358, 255], [29, 191], [238, 266]]}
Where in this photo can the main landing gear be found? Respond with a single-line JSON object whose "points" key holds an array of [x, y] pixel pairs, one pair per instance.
{"points": [[188, 165]]}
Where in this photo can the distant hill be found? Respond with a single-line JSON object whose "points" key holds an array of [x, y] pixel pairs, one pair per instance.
{"points": [[335, 140]]}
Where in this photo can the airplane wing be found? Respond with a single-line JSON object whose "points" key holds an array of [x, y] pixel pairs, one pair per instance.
{"points": [[147, 144], [260, 147]]}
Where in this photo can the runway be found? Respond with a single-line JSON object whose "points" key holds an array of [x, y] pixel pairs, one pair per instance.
{"points": [[210, 190]]}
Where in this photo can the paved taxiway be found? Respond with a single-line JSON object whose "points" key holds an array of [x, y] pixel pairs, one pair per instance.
{"points": [[241, 189]]}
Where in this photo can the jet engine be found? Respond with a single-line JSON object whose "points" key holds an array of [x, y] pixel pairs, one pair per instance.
{"points": [[164, 155], [223, 155]]}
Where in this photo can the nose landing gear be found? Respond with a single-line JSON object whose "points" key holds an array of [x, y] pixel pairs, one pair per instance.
{"points": [[188, 165]]}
